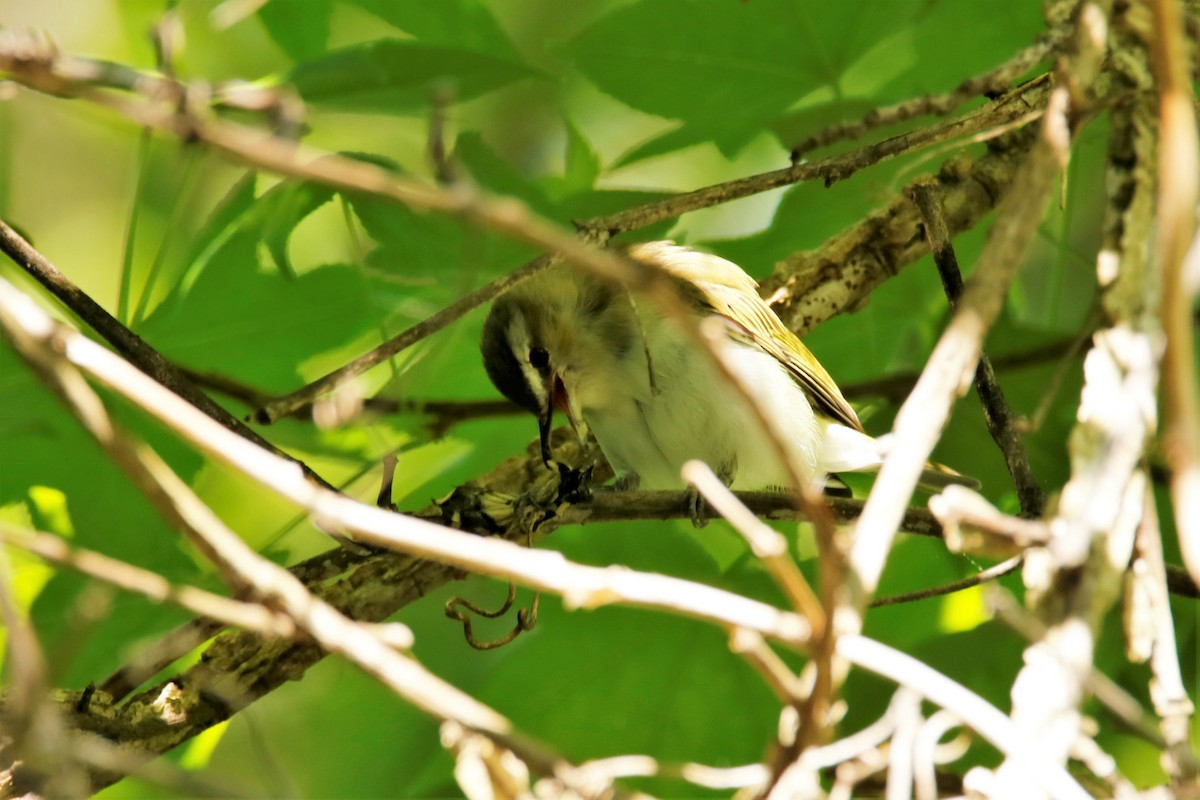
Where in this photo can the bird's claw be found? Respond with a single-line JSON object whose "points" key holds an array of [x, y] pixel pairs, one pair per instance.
{"points": [[697, 506]]}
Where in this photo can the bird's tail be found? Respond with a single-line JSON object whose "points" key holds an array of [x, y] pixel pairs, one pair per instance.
{"points": [[844, 449]]}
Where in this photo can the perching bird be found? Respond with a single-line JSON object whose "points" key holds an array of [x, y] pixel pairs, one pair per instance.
{"points": [[570, 341]]}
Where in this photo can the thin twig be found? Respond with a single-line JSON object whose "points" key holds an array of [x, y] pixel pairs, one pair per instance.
{"points": [[1001, 421], [1150, 636], [983, 576], [993, 82], [639, 766], [445, 413], [767, 663], [1015, 105], [896, 387], [276, 408]]}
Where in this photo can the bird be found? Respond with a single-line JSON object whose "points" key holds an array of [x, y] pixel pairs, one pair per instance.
{"points": [[618, 366]]}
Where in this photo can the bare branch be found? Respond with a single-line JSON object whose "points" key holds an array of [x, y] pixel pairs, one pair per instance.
{"points": [[981, 577], [1019, 106], [275, 409], [991, 83], [1178, 190], [923, 415], [766, 544], [767, 663], [1150, 636], [1001, 421]]}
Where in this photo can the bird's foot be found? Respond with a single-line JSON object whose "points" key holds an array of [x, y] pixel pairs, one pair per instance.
{"points": [[698, 508], [574, 485]]}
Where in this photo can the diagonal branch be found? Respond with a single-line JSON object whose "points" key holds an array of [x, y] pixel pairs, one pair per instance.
{"points": [[1001, 421]]}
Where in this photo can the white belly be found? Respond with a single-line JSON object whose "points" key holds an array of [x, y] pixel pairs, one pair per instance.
{"points": [[696, 415]]}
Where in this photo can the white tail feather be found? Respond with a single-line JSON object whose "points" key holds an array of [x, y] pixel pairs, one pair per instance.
{"points": [[844, 449]]}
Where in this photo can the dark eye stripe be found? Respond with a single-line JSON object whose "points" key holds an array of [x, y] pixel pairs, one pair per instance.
{"points": [[539, 359]]}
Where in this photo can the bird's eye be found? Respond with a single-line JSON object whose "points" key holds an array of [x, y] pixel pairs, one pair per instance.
{"points": [[539, 359]]}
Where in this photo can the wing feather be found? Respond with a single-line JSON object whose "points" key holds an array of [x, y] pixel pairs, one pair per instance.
{"points": [[726, 289]]}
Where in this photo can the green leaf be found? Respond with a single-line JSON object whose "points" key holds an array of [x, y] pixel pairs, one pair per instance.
{"points": [[393, 76], [256, 327], [421, 249], [217, 228], [299, 27], [731, 66], [280, 210], [461, 24]]}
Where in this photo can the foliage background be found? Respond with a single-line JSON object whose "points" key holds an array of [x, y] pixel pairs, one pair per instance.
{"points": [[577, 109]]}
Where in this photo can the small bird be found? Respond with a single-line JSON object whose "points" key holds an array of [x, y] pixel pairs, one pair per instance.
{"points": [[615, 364]]}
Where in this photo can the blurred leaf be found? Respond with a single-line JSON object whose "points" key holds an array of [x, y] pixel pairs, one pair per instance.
{"points": [[283, 208], [582, 167], [393, 76], [1056, 287], [732, 65], [461, 24], [490, 169], [217, 227], [299, 27], [256, 327]]}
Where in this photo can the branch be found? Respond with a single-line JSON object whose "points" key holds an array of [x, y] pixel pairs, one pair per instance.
{"points": [[227, 611], [273, 409], [923, 415], [1001, 421], [767, 544], [1020, 106], [810, 287], [979, 578], [1075, 576], [995, 81], [1150, 636], [1178, 169]]}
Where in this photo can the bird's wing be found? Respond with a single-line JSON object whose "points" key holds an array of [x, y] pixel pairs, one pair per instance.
{"points": [[726, 289]]}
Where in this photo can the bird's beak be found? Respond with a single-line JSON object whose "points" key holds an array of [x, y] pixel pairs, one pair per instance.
{"points": [[545, 417], [557, 397]]}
